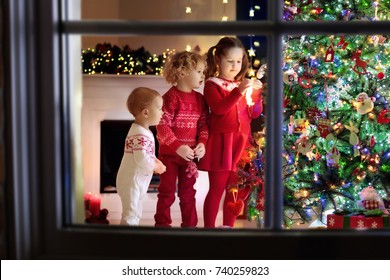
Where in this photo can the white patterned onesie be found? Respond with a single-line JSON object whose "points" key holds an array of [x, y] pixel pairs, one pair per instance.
{"points": [[135, 172]]}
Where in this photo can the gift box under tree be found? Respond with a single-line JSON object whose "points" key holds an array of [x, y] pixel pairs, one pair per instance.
{"points": [[336, 221]]}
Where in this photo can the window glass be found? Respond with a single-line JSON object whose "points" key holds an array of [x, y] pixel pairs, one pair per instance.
{"points": [[175, 10], [339, 10], [336, 143], [109, 69]]}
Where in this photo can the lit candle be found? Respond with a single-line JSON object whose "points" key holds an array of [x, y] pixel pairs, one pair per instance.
{"points": [[94, 205], [87, 200]]}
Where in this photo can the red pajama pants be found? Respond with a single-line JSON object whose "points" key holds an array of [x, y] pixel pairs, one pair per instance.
{"points": [[175, 176]]}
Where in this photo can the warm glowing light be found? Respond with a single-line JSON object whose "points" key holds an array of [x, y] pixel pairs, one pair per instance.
{"points": [[188, 10]]}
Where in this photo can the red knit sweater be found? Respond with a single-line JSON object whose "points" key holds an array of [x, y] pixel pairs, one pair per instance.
{"points": [[185, 121]]}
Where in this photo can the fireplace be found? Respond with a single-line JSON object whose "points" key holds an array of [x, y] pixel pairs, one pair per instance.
{"points": [[112, 138]]}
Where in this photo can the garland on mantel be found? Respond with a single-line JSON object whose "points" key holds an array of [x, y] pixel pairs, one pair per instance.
{"points": [[108, 59]]}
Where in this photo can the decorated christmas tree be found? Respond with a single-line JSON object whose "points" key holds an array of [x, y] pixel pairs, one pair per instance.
{"points": [[336, 143], [337, 119]]}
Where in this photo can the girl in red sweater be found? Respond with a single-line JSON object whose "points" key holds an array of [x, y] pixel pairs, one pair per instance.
{"points": [[182, 134], [225, 93]]}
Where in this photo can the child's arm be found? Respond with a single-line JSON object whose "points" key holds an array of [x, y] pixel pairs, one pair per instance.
{"points": [[144, 159], [218, 103], [165, 135], [159, 167]]}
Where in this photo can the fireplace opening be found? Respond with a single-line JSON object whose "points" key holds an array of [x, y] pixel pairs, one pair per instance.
{"points": [[112, 140]]}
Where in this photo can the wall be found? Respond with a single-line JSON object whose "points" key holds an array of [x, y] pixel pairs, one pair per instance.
{"points": [[156, 10]]}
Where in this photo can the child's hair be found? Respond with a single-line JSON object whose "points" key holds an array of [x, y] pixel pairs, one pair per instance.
{"points": [[181, 63], [140, 98], [219, 50]]}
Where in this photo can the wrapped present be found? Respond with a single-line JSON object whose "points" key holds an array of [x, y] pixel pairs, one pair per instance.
{"points": [[335, 221]]}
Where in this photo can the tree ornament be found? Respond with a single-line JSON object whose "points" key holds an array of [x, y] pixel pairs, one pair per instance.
{"points": [[291, 125], [304, 81], [261, 72], [289, 12], [333, 158], [329, 56], [305, 147], [237, 206], [370, 199], [359, 64], [300, 125], [324, 127], [356, 151], [317, 156], [380, 75], [290, 77], [286, 101], [384, 116], [372, 141], [364, 103], [353, 138], [314, 114], [342, 43]]}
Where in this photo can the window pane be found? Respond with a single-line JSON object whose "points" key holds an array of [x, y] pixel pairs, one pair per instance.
{"points": [[315, 10], [177, 10], [336, 128], [111, 67]]}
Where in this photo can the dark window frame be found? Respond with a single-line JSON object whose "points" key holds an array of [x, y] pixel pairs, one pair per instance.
{"points": [[37, 127]]}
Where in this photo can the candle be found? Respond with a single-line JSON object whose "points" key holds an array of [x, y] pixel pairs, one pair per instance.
{"points": [[94, 205], [87, 200]]}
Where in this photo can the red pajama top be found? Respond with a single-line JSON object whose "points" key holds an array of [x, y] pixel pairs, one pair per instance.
{"points": [[185, 121]]}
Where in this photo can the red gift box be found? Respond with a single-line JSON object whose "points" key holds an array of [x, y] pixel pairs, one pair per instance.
{"points": [[335, 221], [357, 222]]}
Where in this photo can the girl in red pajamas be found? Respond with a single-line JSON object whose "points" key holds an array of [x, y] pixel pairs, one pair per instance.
{"points": [[182, 134], [230, 118]]}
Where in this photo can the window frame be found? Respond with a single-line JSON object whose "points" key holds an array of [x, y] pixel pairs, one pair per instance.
{"points": [[38, 150]]}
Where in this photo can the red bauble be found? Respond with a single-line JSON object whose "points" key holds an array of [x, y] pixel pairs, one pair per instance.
{"points": [[236, 207], [380, 75]]}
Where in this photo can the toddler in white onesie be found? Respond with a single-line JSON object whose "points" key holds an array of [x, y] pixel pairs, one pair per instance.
{"points": [[139, 160]]}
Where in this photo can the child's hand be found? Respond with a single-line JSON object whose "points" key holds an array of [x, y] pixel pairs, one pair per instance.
{"points": [[199, 150], [244, 86], [159, 167], [185, 152], [257, 84]]}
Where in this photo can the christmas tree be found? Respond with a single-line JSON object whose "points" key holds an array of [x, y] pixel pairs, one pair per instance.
{"points": [[337, 118]]}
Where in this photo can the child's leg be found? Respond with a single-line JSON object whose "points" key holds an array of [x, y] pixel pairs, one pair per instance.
{"points": [[228, 218], [131, 212], [218, 183], [166, 192], [186, 193]]}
